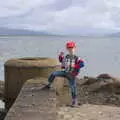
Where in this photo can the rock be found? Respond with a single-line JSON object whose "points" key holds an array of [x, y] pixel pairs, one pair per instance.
{"points": [[101, 90], [89, 80], [104, 76]]}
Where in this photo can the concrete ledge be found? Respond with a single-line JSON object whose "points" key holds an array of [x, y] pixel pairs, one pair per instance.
{"points": [[33, 103], [32, 62], [17, 71]]}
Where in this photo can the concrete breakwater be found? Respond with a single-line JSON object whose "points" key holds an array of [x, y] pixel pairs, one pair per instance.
{"points": [[33, 103], [18, 71], [29, 101]]}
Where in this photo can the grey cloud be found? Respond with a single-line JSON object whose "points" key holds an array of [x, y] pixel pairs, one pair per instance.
{"points": [[35, 15], [60, 5], [116, 18], [82, 3], [64, 15]]}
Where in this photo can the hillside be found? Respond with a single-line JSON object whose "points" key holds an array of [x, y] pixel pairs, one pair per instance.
{"points": [[6, 31], [114, 34]]}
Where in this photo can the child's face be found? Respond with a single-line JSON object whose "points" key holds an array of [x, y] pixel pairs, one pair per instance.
{"points": [[71, 51]]}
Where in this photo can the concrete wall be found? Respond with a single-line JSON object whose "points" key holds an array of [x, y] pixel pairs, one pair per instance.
{"points": [[17, 71], [33, 103]]}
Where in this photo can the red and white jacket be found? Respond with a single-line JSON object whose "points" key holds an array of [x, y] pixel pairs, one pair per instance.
{"points": [[71, 63]]}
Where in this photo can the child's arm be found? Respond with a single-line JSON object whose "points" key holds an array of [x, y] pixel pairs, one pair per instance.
{"points": [[79, 63], [61, 57]]}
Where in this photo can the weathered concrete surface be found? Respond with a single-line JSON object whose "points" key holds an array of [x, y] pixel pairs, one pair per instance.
{"points": [[17, 71], [89, 112], [33, 103], [63, 94]]}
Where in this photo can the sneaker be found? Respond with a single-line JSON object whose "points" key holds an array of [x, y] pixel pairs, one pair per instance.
{"points": [[74, 103], [46, 87]]}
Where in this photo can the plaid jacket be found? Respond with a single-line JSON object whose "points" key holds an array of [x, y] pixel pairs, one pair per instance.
{"points": [[71, 63]]}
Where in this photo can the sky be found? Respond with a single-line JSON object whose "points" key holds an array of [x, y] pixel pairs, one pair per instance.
{"points": [[61, 16]]}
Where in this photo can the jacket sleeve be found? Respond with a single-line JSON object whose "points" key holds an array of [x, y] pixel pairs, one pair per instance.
{"points": [[61, 57], [79, 63]]}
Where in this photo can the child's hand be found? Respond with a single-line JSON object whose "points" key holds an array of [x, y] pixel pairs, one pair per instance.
{"points": [[61, 53]]}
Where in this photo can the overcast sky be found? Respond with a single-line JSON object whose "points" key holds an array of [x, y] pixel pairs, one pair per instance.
{"points": [[61, 16]]}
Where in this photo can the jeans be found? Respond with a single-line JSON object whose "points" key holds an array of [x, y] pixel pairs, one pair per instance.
{"points": [[67, 75]]}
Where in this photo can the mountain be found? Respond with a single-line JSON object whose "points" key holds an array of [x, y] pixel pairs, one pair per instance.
{"points": [[8, 31], [83, 32], [117, 34]]}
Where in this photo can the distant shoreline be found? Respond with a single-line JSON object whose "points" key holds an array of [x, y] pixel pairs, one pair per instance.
{"points": [[60, 36]]}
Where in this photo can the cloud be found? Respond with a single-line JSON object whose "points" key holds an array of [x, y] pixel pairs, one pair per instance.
{"points": [[61, 16], [60, 5]]}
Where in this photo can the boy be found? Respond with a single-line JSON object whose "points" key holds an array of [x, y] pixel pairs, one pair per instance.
{"points": [[71, 65]]}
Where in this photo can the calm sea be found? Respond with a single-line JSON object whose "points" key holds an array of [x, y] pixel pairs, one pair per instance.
{"points": [[101, 55]]}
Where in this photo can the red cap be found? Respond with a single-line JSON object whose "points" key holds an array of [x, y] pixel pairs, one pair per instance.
{"points": [[70, 44]]}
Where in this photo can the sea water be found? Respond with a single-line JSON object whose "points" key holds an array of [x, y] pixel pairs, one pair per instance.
{"points": [[101, 55]]}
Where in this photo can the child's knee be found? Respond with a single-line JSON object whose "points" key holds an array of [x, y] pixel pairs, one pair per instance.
{"points": [[73, 85], [53, 74]]}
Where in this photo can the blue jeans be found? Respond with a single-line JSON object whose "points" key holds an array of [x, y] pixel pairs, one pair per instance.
{"points": [[67, 75]]}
